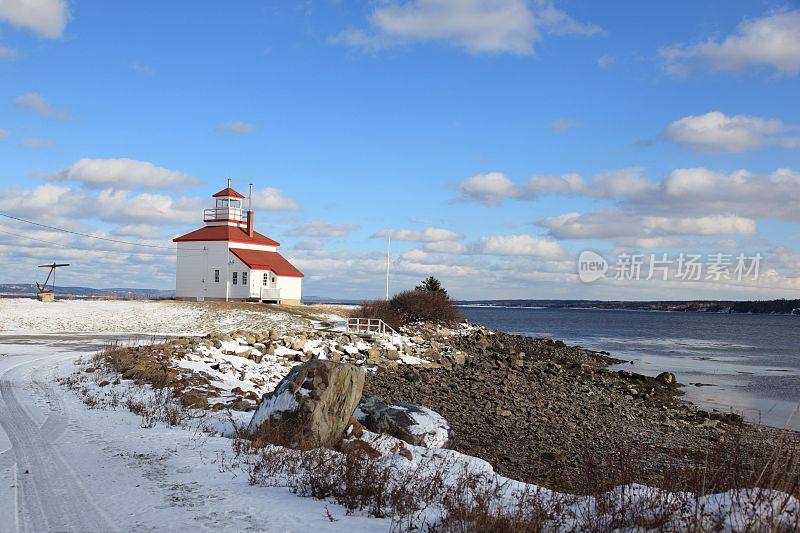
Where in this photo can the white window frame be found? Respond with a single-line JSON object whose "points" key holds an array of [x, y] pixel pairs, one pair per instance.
{"points": [[235, 280], [265, 279], [244, 278], [216, 275]]}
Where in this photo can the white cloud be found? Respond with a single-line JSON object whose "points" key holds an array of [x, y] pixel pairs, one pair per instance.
{"points": [[553, 20], [122, 173], [493, 188], [47, 18], [271, 199], [310, 244], [621, 183], [688, 202], [710, 225], [613, 184], [615, 225], [7, 53], [109, 205], [38, 104], [3, 134], [479, 26], [35, 142], [429, 234], [563, 124], [564, 185], [118, 207], [717, 132], [443, 269], [774, 195], [771, 41], [41, 200], [526, 245], [237, 127], [446, 247], [489, 189], [319, 228], [142, 69], [606, 60], [143, 231]]}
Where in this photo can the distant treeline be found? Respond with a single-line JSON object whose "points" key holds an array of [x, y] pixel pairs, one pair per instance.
{"points": [[772, 307], [775, 307], [28, 290]]}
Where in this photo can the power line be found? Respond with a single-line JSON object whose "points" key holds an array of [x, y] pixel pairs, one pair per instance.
{"points": [[93, 249], [118, 241], [107, 239]]}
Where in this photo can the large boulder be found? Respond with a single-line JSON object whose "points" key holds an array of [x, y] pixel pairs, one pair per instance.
{"points": [[410, 422], [317, 398]]}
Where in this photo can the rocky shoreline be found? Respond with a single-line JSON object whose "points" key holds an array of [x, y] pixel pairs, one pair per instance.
{"points": [[537, 410], [542, 412]]}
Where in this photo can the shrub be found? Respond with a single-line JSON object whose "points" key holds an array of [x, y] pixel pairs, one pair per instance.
{"points": [[412, 306]]}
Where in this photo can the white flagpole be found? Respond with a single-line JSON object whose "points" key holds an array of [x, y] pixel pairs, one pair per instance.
{"points": [[388, 258]]}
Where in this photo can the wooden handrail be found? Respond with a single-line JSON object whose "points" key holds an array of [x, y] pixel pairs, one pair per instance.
{"points": [[370, 325]]}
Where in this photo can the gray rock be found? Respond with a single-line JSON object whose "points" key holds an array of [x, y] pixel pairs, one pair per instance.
{"points": [[410, 422], [667, 378], [298, 343], [319, 397]]}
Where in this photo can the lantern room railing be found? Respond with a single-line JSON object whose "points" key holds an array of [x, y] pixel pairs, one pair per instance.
{"points": [[225, 213]]}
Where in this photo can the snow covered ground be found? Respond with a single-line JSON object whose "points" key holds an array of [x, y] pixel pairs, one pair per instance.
{"points": [[64, 467], [22, 315]]}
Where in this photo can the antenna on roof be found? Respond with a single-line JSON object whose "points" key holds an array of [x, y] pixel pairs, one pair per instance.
{"points": [[229, 182], [250, 198]]}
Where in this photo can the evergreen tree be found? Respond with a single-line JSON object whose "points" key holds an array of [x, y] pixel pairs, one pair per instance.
{"points": [[431, 284]]}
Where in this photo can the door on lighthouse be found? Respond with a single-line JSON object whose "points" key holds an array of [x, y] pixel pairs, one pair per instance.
{"points": [[269, 286]]}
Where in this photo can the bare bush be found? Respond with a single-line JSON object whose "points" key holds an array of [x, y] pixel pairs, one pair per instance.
{"points": [[412, 306], [441, 496]]}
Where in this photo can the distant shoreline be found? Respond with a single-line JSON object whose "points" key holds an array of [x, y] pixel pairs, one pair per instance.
{"points": [[770, 307], [765, 307]]}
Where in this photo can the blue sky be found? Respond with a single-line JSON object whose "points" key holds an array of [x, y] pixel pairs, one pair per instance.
{"points": [[495, 140]]}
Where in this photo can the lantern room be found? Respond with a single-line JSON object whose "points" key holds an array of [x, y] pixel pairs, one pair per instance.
{"points": [[228, 209]]}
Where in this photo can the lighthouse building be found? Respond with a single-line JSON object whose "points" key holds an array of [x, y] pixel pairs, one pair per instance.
{"points": [[227, 259]]}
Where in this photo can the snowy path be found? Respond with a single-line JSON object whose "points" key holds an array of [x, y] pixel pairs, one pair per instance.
{"points": [[50, 496], [64, 467]]}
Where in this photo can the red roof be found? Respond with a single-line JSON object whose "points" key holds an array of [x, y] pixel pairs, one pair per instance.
{"points": [[227, 191], [258, 260], [226, 233]]}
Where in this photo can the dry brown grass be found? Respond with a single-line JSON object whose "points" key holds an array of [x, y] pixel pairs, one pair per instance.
{"points": [[446, 497]]}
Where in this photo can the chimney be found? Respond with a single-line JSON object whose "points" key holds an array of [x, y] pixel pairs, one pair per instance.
{"points": [[250, 230]]}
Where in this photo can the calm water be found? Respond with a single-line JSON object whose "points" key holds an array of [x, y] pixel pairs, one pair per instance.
{"points": [[748, 363]]}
